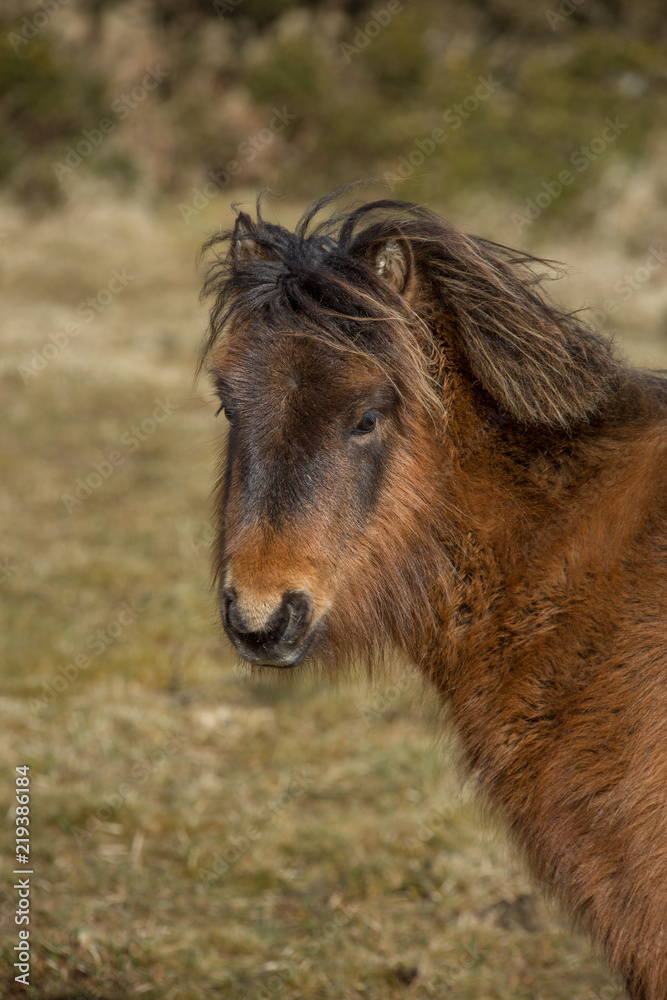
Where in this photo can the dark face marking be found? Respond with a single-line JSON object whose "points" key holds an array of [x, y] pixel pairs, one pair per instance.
{"points": [[303, 418], [311, 431]]}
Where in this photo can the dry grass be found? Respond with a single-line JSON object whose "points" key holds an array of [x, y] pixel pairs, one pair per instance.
{"points": [[192, 835]]}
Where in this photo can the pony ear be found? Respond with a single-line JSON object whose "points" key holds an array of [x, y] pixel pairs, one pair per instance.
{"points": [[244, 243], [392, 260]]}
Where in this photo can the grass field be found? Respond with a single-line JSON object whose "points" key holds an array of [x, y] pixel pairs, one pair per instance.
{"points": [[193, 835]]}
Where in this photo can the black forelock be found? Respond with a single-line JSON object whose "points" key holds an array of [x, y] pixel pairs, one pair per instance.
{"points": [[318, 273], [540, 363], [317, 280]]}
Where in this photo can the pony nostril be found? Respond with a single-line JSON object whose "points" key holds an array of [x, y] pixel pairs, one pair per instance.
{"points": [[282, 634], [297, 618], [232, 616]]}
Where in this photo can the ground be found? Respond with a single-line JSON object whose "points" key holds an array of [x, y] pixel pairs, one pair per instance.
{"points": [[192, 834]]}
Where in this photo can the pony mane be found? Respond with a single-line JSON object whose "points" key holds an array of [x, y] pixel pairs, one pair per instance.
{"points": [[540, 364]]}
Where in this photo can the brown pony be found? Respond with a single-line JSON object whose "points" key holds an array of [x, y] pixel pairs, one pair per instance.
{"points": [[424, 455]]}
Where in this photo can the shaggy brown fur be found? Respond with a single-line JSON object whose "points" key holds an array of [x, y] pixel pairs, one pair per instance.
{"points": [[426, 455]]}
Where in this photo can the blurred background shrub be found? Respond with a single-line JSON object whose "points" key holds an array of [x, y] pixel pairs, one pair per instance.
{"points": [[365, 86]]}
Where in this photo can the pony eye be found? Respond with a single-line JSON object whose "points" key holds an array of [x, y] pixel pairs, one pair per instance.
{"points": [[367, 423], [227, 412]]}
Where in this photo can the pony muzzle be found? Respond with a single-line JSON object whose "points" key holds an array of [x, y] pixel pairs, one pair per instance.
{"points": [[279, 636]]}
